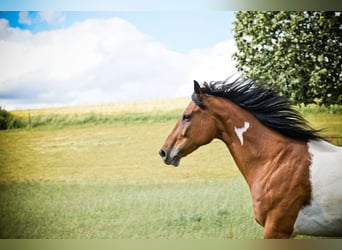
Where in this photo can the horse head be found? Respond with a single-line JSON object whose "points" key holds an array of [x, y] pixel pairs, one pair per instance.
{"points": [[196, 127]]}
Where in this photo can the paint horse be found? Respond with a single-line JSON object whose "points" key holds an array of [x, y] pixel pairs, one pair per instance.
{"points": [[294, 175]]}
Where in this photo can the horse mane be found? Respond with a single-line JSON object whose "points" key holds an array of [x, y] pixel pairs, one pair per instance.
{"points": [[271, 109]]}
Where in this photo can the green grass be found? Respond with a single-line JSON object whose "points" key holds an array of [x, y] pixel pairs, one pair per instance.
{"points": [[122, 211], [329, 120], [106, 180]]}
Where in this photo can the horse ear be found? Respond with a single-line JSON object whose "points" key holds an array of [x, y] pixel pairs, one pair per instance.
{"points": [[197, 88]]}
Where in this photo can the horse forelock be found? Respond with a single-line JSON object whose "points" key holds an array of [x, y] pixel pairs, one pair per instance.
{"points": [[197, 100]]}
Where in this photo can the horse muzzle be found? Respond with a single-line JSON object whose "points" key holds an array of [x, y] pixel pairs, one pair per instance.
{"points": [[170, 158]]}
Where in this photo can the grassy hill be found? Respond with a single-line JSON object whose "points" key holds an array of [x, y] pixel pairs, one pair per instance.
{"points": [[163, 110], [110, 113]]}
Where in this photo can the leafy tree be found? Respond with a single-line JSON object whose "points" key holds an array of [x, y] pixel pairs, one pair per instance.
{"points": [[299, 53], [7, 120]]}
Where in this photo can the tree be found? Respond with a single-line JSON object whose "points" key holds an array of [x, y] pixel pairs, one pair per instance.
{"points": [[7, 120], [298, 53]]}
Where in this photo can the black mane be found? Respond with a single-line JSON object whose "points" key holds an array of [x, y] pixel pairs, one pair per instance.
{"points": [[274, 111]]}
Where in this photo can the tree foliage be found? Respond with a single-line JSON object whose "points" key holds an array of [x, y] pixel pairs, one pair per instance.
{"points": [[299, 53], [7, 120]]}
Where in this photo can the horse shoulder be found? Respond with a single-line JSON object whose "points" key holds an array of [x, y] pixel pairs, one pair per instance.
{"points": [[281, 187]]}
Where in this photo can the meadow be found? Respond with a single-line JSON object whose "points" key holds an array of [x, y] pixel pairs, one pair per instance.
{"points": [[64, 176]]}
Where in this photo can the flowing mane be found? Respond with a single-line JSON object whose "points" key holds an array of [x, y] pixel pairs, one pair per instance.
{"points": [[271, 109]]}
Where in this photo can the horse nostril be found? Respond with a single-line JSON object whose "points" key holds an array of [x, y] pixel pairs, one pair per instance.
{"points": [[163, 154]]}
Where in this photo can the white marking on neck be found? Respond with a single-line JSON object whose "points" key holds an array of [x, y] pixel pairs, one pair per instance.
{"points": [[239, 131]]}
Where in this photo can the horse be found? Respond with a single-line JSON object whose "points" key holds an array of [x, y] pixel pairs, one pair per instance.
{"points": [[294, 175]]}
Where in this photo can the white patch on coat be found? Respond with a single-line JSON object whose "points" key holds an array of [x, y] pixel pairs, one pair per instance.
{"points": [[239, 131], [323, 216]]}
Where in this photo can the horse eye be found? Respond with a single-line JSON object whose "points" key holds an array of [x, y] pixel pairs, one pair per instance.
{"points": [[186, 117]]}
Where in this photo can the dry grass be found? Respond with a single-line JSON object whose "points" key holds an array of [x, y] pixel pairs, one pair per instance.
{"points": [[109, 108], [113, 153]]}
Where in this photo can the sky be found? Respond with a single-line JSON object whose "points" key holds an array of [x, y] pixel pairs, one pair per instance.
{"points": [[56, 58]]}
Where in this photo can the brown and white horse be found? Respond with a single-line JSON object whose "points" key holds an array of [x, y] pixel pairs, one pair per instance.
{"points": [[294, 175]]}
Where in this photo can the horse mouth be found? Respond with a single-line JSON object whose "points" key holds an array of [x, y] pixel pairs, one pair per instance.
{"points": [[174, 161]]}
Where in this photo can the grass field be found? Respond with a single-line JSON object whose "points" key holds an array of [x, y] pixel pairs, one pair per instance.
{"points": [[106, 180]]}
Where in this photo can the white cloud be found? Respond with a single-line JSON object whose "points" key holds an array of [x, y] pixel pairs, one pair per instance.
{"points": [[24, 18], [99, 60], [51, 16], [213, 63]]}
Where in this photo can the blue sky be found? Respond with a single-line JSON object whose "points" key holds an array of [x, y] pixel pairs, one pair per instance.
{"points": [[54, 58], [179, 30], [117, 5]]}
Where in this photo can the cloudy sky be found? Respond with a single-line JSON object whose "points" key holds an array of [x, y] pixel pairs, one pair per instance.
{"points": [[65, 58]]}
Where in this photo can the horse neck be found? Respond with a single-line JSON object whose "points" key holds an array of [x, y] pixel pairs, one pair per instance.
{"points": [[251, 144]]}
